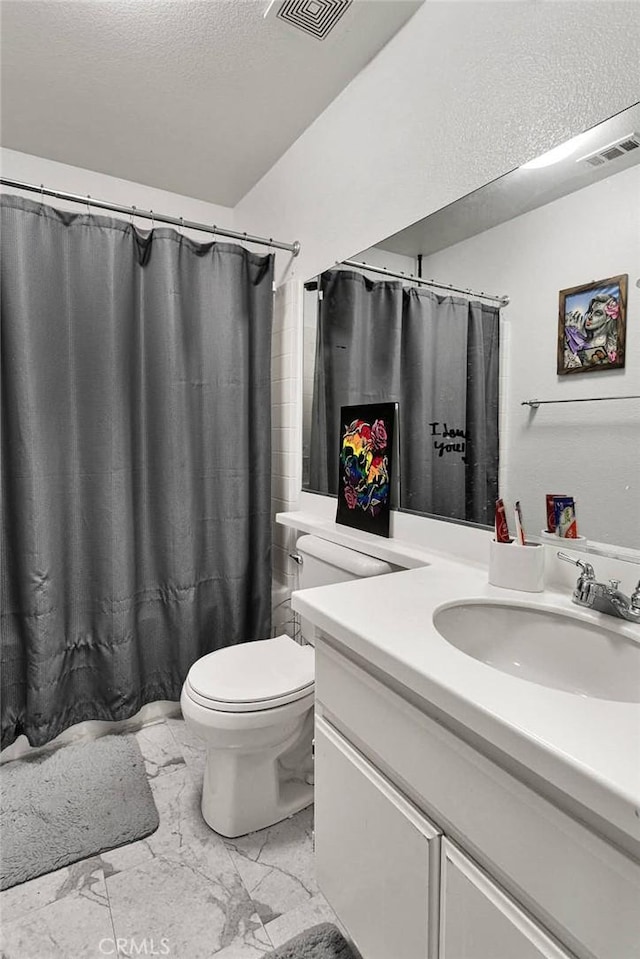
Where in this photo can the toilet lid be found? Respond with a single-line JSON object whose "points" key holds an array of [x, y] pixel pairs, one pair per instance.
{"points": [[252, 676]]}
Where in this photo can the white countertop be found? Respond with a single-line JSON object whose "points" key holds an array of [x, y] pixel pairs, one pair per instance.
{"points": [[588, 748]]}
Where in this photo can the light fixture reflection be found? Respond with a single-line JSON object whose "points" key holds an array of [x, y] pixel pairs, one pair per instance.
{"points": [[554, 156]]}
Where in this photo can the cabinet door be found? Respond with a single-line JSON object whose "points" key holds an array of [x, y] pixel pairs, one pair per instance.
{"points": [[377, 858], [478, 921]]}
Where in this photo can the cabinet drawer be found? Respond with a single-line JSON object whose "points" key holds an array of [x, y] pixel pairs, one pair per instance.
{"points": [[377, 858], [478, 921], [580, 887]]}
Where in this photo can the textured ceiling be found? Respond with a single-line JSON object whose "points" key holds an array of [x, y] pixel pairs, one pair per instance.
{"points": [[199, 97]]}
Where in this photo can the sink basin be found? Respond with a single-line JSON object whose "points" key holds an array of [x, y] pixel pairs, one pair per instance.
{"points": [[549, 648]]}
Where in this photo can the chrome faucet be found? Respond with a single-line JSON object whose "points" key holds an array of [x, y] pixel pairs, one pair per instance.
{"points": [[604, 598]]}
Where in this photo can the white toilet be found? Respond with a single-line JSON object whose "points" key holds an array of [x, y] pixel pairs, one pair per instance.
{"points": [[253, 706]]}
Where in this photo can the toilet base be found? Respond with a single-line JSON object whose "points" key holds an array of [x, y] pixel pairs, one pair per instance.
{"points": [[259, 763], [246, 790], [231, 823]]}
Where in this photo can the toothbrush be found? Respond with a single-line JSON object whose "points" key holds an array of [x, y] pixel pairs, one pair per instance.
{"points": [[519, 528]]}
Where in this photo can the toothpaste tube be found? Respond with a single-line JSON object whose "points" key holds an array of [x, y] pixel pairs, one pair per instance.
{"points": [[502, 530], [565, 517], [551, 516]]}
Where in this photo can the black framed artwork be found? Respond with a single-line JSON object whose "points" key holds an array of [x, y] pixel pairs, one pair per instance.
{"points": [[592, 326], [365, 466]]}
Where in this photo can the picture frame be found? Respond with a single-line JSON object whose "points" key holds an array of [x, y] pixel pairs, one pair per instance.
{"points": [[592, 326], [366, 466]]}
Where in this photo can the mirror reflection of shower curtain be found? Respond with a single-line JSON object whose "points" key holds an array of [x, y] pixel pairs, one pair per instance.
{"points": [[438, 358]]}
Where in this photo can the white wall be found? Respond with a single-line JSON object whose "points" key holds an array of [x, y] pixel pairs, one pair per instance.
{"points": [[71, 179], [388, 260], [591, 451]]}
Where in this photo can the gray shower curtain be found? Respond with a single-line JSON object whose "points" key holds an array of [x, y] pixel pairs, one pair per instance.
{"points": [[135, 463], [437, 357]]}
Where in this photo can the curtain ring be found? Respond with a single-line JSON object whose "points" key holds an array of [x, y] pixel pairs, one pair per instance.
{"points": [[42, 192], [181, 226], [215, 229], [88, 204], [153, 222], [132, 214]]}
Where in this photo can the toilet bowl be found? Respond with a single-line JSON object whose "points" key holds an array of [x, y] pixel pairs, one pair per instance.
{"points": [[253, 706]]}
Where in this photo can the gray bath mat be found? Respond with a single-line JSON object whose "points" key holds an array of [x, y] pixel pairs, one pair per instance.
{"points": [[74, 803], [324, 941]]}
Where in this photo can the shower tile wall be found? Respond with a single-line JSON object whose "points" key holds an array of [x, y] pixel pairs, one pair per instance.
{"points": [[286, 436]]}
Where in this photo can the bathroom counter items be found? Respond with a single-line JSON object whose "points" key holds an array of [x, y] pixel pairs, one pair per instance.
{"points": [[581, 751]]}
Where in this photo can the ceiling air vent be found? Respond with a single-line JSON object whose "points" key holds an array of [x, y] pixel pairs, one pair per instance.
{"points": [[612, 151], [316, 17]]}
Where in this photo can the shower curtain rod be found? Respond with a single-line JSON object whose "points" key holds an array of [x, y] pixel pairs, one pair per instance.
{"points": [[502, 300], [132, 211]]}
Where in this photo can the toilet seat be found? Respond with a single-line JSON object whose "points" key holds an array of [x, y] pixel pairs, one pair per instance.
{"points": [[253, 676]]}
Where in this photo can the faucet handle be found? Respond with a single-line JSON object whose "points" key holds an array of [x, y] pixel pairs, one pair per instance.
{"points": [[586, 568], [614, 583]]}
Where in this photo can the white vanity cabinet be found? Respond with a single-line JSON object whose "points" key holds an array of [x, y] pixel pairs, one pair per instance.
{"points": [[377, 858], [427, 849], [478, 921]]}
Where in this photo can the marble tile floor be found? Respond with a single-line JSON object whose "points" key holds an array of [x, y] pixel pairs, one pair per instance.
{"points": [[184, 892]]}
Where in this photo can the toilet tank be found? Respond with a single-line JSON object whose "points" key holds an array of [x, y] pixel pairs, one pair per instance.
{"points": [[324, 563]]}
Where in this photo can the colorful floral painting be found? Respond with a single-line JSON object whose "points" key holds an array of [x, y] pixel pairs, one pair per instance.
{"points": [[364, 483], [592, 326]]}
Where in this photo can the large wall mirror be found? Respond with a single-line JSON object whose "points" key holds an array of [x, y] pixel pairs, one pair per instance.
{"points": [[464, 358]]}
